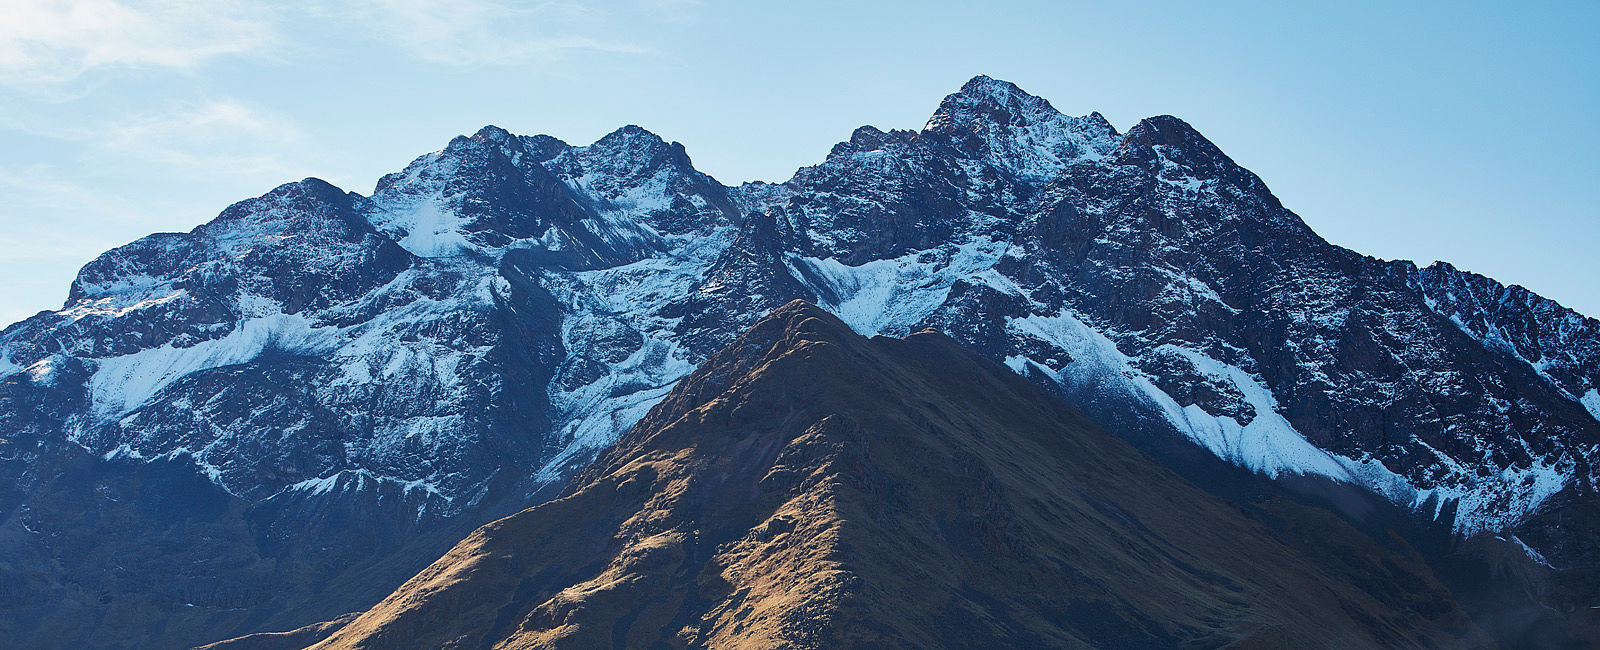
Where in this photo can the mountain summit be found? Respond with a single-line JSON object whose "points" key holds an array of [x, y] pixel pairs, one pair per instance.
{"points": [[283, 413]]}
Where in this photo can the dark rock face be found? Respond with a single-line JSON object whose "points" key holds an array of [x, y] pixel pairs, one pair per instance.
{"points": [[451, 348], [807, 487]]}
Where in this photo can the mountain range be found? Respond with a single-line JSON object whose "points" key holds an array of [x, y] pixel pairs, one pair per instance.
{"points": [[282, 415], [808, 487]]}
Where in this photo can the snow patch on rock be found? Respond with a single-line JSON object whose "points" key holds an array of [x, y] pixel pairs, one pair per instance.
{"points": [[355, 479], [7, 366], [597, 414], [629, 297], [117, 305], [121, 384], [1269, 444], [426, 227], [890, 296]]}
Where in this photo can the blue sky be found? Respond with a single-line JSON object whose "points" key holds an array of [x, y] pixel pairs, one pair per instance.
{"points": [[1462, 131]]}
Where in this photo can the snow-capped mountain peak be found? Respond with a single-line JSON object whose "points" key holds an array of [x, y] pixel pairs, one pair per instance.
{"points": [[493, 315], [1019, 133]]}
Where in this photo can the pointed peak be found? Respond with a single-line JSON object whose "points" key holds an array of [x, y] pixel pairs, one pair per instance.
{"points": [[486, 143], [307, 185], [866, 135], [985, 98], [792, 329], [490, 137], [788, 329], [1100, 121], [986, 85], [802, 309], [1441, 266], [801, 320], [495, 134], [870, 138], [305, 192], [631, 133], [311, 203], [1021, 134], [636, 148], [544, 147], [1179, 143], [636, 143], [1164, 130]]}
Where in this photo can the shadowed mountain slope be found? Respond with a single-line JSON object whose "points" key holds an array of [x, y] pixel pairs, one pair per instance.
{"points": [[284, 413], [810, 487]]}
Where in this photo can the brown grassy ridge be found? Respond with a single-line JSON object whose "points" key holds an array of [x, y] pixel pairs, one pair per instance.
{"points": [[808, 487]]}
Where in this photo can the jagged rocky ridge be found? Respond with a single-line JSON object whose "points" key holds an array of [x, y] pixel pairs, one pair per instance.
{"points": [[807, 487], [500, 311]]}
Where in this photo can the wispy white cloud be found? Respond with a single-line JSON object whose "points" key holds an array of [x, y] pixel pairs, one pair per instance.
{"points": [[50, 41], [48, 226], [209, 138], [56, 216], [220, 137], [40, 186], [480, 31], [46, 42], [123, 117], [671, 6]]}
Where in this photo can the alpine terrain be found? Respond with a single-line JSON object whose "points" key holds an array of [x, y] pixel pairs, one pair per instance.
{"points": [[810, 488], [281, 416]]}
